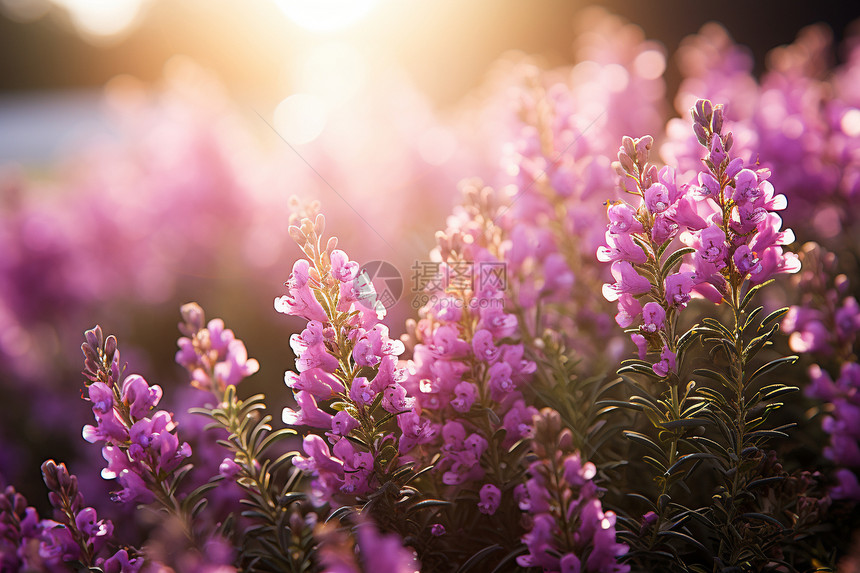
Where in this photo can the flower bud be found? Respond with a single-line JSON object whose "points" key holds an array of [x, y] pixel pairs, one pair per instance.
{"points": [[717, 119]]}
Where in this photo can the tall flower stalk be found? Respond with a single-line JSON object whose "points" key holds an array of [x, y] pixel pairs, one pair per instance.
{"points": [[734, 245], [348, 387], [278, 538]]}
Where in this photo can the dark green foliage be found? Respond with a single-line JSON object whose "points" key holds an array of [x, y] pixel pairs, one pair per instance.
{"points": [[279, 537]]}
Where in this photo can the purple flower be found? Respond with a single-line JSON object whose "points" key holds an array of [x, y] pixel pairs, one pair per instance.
{"points": [[491, 496], [465, 394], [229, 468], [746, 260], [482, 345], [657, 198], [621, 247], [395, 399], [236, 365], [664, 229], [415, 430], [501, 381], [666, 364], [678, 288], [102, 398], [641, 345], [746, 187], [708, 186], [308, 414], [385, 553], [653, 317], [316, 381], [570, 563], [119, 562], [629, 310], [57, 544], [300, 301], [717, 152], [713, 246], [627, 280], [360, 392], [437, 530], [342, 268], [343, 423], [98, 532], [140, 396], [518, 421], [623, 220]]}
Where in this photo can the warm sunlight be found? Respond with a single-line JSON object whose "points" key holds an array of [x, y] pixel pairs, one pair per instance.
{"points": [[326, 15]]}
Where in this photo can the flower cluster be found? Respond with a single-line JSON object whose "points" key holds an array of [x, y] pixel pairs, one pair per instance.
{"points": [[366, 551], [569, 532], [725, 216], [19, 533], [801, 120], [346, 362], [141, 446], [825, 325], [211, 353], [76, 535]]}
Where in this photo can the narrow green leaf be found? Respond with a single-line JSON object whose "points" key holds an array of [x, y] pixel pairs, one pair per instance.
{"points": [[644, 440], [478, 557], [685, 423], [773, 317], [674, 259], [772, 365], [682, 536], [688, 457]]}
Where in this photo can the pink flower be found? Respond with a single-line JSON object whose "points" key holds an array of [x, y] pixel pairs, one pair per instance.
{"points": [[465, 394], [629, 310], [491, 496], [666, 364], [627, 281], [657, 198], [653, 317], [622, 219], [678, 288], [641, 345]]}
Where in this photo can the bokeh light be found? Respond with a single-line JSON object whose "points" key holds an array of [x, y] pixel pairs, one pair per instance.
{"points": [[326, 15]]}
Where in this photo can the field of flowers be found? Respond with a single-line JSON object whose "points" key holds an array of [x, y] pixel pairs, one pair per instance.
{"points": [[633, 345]]}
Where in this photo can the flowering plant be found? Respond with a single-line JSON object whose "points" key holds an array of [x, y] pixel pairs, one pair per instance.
{"points": [[513, 427]]}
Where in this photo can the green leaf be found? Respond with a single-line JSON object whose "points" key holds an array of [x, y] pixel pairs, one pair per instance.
{"points": [[478, 557], [672, 260], [751, 317], [763, 517], [685, 423], [713, 375], [764, 481], [688, 457], [619, 404], [644, 440], [718, 326], [682, 536], [427, 503], [748, 297], [773, 317], [772, 365], [639, 369]]}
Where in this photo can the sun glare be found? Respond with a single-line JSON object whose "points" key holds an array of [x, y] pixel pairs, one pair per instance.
{"points": [[325, 15], [102, 18]]}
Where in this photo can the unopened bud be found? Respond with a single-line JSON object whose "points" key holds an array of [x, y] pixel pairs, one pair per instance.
{"points": [[643, 149], [701, 134], [717, 119]]}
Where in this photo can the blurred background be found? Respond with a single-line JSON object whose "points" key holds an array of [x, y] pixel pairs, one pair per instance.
{"points": [[149, 148]]}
